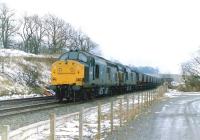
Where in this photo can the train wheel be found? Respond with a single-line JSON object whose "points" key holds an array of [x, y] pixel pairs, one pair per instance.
{"points": [[111, 91], [60, 95], [74, 96], [85, 95], [91, 94], [100, 91], [106, 91]]}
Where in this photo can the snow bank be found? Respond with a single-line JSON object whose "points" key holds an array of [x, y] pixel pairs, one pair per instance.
{"points": [[13, 52], [18, 96], [175, 93], [15, 72]]}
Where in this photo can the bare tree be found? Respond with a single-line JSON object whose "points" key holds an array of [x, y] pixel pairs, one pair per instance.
{"points": [[192, 67], [8, 25], [57, 33], [32, 33], [88, 45], [191, 73], [80, 41]]}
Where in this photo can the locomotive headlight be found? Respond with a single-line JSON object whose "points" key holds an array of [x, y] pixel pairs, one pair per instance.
{"points": [[79, 79], [54, 79]]}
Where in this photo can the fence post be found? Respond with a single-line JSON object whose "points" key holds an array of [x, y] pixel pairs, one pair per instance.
{"points": [[138, 103], [52, 126], [111, 115], [127, 108], [142, 103], [81, 124], [157, 91], [133, 105], [154, 96], [5, 132], [148, 98], [120, 110], [99, 121]]}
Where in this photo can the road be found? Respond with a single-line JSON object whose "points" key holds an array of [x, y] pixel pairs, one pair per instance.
{"points": [[173, 118]]}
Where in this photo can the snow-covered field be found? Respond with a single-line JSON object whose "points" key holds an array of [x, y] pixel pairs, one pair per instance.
{"points": [[18, 96], [174, 93], [17, 71]]}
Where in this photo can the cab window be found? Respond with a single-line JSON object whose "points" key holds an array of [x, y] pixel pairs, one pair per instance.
{"points": [[82, 57], [96, 71], [64, 57], [73, 55]]}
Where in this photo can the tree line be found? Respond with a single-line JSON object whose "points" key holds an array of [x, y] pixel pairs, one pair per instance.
{"points": [[36, 34], [191, 73]]}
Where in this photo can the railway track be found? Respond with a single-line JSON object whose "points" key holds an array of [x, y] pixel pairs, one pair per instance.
{"points": [[25, 105], [5, 112], [14, 101]]}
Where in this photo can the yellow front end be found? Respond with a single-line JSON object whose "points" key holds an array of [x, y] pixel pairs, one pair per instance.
{"points": [[68, 72]]}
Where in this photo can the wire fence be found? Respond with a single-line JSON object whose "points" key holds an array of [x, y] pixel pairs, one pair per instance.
{"points": [[89, 123]]}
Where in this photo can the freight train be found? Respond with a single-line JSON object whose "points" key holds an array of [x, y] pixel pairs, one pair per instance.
{"points": [[79, 75]]}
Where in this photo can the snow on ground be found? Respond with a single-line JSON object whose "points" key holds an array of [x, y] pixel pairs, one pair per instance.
{"points": [[16, 70], [172, 93], [18, 53], [18, 96], [175, 93], [13, 52]]}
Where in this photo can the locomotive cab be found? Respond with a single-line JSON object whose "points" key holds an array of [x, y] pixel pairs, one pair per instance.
{"points": [[69, 69]]}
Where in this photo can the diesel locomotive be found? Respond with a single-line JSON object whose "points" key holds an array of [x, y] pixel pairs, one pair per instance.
{"points": [[79, 75]]}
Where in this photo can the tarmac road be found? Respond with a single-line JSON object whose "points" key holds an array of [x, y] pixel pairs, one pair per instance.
{"points": [[174, 118]]}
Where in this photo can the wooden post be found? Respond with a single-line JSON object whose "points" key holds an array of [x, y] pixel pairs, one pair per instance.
{"points": [[144, 100], [5, 132], [120, 110], [81, 124], [111, 115], [133, 105], [127, 109], [138, 103], [157, 91], [52, 126], [153, 96], [148, 98], [142, 103], [99, 121]]}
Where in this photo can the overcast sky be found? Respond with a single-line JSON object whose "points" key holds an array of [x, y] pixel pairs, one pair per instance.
{"points": [[158, 33]]}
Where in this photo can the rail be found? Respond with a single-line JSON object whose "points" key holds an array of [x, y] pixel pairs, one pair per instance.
{"points": [[90, 123]]}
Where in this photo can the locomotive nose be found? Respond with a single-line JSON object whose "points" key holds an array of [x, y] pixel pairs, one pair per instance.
{"points": [[67, 73]]}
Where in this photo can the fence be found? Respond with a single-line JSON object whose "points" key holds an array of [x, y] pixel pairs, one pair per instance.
{"points": [[90, 123]]}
